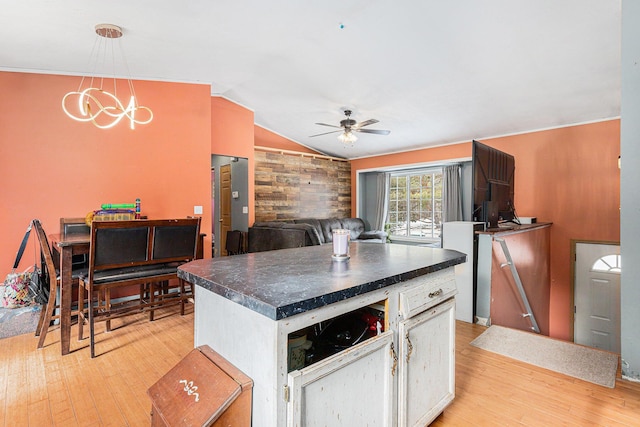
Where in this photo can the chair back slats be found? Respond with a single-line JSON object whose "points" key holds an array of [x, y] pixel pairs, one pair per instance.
{"points": [[137, 252], [235, 242], [49, 279], [48, 266], [120, 246], [73, 226], [175, 241]]}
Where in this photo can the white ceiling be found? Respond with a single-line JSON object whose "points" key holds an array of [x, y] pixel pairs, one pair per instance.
{"points": [[432, 71]]}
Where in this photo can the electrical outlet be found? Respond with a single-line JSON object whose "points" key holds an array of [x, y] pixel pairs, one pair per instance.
{"points": [[197, 210], [245, 210]]}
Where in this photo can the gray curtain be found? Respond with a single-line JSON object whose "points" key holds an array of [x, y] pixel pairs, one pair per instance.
{"points": [[382, 200], [452, 193]]}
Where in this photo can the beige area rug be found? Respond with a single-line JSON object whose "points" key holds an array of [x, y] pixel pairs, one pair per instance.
{"points": [[588, 364]]}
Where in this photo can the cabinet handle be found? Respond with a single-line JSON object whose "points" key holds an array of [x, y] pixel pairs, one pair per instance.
{"points": [[409, 346], [435, 294], [395, 360]]}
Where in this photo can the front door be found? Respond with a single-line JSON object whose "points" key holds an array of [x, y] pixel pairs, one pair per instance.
{"points": [[597, 296]]}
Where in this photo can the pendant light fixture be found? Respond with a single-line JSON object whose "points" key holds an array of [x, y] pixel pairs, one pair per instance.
{"points": [[92, 102]]}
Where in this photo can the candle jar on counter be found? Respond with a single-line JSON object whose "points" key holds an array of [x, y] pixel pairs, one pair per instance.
{"points": [[341, 239]]}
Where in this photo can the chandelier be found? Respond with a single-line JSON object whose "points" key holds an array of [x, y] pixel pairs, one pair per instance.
{"points": [[92, 102]]}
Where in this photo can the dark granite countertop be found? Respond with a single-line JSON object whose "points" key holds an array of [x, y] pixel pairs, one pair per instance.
{"points": [[283, 283], [510, 228]]}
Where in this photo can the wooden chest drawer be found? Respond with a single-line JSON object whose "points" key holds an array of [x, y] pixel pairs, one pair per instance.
{"points": [[203, 389]]}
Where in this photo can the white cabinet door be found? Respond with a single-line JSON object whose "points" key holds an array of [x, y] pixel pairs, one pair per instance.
{"points": [[426, 365], [351, 388]]}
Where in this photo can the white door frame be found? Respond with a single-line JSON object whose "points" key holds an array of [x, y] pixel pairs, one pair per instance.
{"points": [[574, 242]]}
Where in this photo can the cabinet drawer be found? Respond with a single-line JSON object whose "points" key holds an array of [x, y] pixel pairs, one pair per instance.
{"points": [[419, 298]]}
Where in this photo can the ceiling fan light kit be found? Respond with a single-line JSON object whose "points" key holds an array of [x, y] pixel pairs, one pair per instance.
{"points": [[348, 126], [347, 138]]}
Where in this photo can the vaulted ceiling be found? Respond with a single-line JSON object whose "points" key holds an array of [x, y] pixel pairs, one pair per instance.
{"points": [[433, 72]]}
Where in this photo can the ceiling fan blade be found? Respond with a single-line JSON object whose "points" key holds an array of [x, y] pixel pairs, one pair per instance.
{"points": [[326, 133], [366, 123], [376, 131], [333, 126]]}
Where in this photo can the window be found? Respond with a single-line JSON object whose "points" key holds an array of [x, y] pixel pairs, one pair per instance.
{"points": [[608, 264], [415, 204]]}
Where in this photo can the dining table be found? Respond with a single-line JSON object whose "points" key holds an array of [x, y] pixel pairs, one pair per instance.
{"points": [[67, 245]]}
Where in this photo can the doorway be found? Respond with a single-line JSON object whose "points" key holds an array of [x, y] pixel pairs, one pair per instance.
{"points": [[597, 268], [230, 198], [225, 206]]}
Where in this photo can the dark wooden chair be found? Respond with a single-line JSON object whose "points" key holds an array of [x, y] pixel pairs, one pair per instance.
{"points": [[71, 226], [50, 311], [75, 226], [138, 252], [162, 294], [235, 242]]}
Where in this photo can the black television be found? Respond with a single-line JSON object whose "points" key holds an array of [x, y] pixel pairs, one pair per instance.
{"points": [[493, 185]]}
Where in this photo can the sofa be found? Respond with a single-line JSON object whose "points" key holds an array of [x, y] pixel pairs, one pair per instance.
{"points": [[272, 235]]}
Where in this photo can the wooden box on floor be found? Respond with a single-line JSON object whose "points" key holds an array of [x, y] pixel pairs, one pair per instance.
{"points": [[203, 389]]}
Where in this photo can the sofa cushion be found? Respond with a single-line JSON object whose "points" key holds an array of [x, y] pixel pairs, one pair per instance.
{"points": [[270, 224], [132, 273], [272, 238], [328, 225], [268, 236], [315, 223], [354, 225], [312, 233], [373, 236]]}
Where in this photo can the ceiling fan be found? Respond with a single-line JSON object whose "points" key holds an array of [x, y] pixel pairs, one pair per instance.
{"points": [[348, 126]]}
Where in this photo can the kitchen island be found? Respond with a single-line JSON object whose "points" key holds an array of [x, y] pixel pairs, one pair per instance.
{"points": [[249, 306]]}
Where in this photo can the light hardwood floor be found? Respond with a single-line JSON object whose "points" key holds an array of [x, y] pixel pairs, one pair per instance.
{"points": [[42, 388]]}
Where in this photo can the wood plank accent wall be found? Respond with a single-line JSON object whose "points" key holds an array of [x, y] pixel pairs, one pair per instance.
{"points": [[290, 185]]}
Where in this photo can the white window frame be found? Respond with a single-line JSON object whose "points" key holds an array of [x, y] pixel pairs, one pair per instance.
{"points": [[408, 173]]}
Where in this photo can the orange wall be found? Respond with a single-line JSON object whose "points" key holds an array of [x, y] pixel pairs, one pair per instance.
{"points": [[52, 166], [447, 152], [570, 177], [232, 135], [266, 138], [567, 176]]}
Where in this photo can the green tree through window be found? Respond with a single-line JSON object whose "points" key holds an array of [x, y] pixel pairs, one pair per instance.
{"points": [[415, 204]]}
